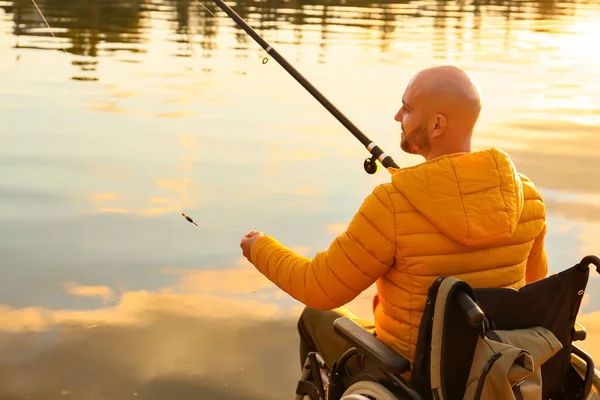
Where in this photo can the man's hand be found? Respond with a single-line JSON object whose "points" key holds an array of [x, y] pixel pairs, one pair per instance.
{"points": [[247, 240]]}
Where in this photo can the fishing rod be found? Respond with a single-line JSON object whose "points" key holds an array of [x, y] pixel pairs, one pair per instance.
{"points": [[377, 153]]}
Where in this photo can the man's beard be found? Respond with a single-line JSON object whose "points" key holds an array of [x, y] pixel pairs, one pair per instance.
{"points": [[415, 141]]}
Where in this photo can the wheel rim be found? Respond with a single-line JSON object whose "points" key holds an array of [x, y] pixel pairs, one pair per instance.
{"points": [[368, 390]]}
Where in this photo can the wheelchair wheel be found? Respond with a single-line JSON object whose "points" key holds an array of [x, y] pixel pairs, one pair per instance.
{"points": [[368, 390]]}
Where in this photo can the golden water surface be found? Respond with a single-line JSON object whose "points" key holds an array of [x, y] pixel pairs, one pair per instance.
{"points": [[141, 108]]}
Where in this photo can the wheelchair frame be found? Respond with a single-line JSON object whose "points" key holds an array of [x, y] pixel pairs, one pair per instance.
{"points": [[318, 383]]}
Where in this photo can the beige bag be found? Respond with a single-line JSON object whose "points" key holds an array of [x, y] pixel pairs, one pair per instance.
{"points": [[507, 364]]}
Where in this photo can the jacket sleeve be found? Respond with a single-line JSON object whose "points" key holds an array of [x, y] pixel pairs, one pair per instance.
{"points": [[351, 264], [537, 263]]}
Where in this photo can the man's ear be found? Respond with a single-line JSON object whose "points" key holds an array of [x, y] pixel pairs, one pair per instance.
{"points": [[439, 125]]}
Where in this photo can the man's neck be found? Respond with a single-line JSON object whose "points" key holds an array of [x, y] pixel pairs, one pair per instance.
{"points": [[435, 153]]}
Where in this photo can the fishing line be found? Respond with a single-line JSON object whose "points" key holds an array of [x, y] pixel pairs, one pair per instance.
{"points": [[188, 218], [53, 35], [264, 60], [206, 8]]}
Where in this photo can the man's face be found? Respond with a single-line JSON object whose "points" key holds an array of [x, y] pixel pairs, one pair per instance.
{"points": [[415, 135]]}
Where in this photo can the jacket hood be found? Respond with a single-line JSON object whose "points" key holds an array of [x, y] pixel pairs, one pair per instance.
{"points": [[473, 198]]}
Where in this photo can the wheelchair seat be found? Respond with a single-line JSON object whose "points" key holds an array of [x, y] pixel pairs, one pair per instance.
{"points": [[551, 303]]}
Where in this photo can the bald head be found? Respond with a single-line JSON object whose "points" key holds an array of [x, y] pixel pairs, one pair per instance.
{"points": [[441, 106], [450, 91]]}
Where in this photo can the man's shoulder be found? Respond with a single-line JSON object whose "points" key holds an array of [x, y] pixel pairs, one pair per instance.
{"points": [[386, 190], [387, 187], [384, 193]]}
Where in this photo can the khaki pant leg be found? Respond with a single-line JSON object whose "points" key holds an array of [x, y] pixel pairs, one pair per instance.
{"points": [[316, 334]]}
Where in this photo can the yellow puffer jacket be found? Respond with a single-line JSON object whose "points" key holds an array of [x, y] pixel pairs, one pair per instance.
{"points": [[469, 215]]}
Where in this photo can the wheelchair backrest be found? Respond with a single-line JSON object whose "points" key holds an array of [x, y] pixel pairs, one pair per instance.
{"points": [[552, 303]]}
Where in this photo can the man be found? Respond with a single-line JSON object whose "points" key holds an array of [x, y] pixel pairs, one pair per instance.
{"points": [[461, 213]]}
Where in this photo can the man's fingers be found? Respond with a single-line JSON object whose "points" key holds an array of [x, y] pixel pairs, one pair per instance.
{"points": [[247, 240]]}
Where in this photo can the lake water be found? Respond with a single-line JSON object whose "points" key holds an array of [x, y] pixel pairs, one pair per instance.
{"points": [[141, 108]]}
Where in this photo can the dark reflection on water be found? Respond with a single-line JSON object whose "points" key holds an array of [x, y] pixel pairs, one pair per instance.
{"points": [[94, 28], [167, 357], [84, 24]]}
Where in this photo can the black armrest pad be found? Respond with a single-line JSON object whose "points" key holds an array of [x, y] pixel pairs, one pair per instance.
{"points": [[579, 332], [367, 344]]}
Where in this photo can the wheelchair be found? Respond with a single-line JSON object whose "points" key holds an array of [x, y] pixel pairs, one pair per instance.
{"points": [[552, 303]]}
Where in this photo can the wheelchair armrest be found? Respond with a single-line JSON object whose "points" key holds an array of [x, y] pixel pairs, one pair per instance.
{"points": [[367, 344], [472, 311], [579, 332]]}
